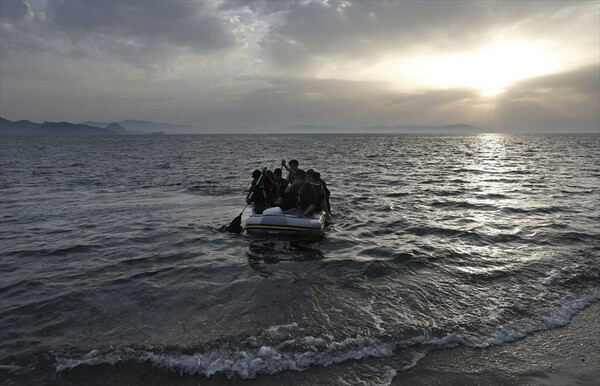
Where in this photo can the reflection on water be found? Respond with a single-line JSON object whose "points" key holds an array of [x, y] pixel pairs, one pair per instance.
{"points": [[273, 251], [264, 251]]}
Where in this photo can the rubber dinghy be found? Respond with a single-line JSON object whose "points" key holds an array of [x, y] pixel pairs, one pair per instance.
{"points": [[275, 221]]}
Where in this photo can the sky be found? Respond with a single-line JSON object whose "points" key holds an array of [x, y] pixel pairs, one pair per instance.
{"points": [[262, 66]]}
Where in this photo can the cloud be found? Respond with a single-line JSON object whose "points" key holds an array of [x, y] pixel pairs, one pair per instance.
{"points": [[315, 33], [277, 102], [13, 10], [259, 65], [144, 35], [562, 102], [186, 24], [584, 80], [260, 7]]}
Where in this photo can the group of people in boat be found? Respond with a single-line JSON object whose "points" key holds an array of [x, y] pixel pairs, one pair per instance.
{"points": [[301, 194]]}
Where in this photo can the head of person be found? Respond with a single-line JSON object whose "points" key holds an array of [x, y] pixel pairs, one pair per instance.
{"points": [[309, 172], [293, 164], [270, 174], [315, 177], [256, 174], [299, 176], [277, 172]]}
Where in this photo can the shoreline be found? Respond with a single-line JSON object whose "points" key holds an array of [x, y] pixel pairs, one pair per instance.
{"points": [[568, 355]]}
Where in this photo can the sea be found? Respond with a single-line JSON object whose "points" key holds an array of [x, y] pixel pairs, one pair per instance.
{"points": [[115, 269]]}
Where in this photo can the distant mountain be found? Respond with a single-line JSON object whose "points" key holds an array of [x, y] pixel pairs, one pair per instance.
{"points": [[17, 128], [116, 128], [66, 128], [454, 129], [56, 128], [416, 129], [153, 127], [316, 129], [134, 126], [95, 124]]}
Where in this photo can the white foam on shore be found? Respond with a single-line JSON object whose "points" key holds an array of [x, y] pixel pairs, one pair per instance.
{"points": [[246, 363], [553, 317]]}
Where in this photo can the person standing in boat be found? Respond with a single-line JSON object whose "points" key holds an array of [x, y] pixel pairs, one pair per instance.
{"points": [[260, 192], [300, 196], [293, 166]]}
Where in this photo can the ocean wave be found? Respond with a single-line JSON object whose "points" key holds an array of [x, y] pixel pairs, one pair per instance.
{"points": [[246, 363], [300, 353], [558, 315], [571, 273]]}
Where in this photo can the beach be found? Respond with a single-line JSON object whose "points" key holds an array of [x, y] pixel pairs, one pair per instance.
{"points": [[568, 355]]}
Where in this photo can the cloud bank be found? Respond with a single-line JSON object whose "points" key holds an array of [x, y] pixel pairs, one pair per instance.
{"points": [[260, 66]]}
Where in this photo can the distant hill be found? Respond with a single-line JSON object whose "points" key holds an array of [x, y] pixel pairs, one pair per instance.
{"points": [[56, 128], [95, 124], [408, 129], [455, 129], [116, 128], [153, 127], [66, 128], [134, 126], [17, 128]]}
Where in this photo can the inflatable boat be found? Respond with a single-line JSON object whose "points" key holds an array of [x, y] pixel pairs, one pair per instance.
{"points": [[277, 222]]}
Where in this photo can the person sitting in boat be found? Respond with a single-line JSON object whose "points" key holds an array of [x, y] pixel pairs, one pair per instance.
{"points": [[293, 166], [260, 192], [320, 194], [279, 184], [316, 179], [300, 199], [275, 187]]}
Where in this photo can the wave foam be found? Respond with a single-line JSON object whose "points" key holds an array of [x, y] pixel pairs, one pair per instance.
{"points": [[246, 363], [553, 317], [300, 353]]}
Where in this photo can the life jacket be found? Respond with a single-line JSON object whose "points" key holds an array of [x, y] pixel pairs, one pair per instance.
{"points": [[261, 195], [301, 203], [319, 194]]}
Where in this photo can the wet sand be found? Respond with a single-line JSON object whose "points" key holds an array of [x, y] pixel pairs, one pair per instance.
{"points": [[568, 355]]}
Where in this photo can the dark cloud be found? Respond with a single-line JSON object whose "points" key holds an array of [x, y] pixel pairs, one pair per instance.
{"points": [[584, 80], [261, 7], [93, 39], [13, 10], [151, 22], [563, 102]]}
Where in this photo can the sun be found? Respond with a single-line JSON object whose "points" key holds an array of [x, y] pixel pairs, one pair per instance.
{"points": [[490, 69]]}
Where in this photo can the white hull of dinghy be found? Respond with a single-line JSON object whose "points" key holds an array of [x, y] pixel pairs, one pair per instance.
{"points": [[285, 224]]}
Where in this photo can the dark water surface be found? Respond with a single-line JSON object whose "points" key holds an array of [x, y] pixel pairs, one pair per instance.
{"points": [[111, 258]]}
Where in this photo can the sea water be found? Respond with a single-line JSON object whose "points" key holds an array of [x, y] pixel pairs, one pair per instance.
{"points": [[112, 260]]}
